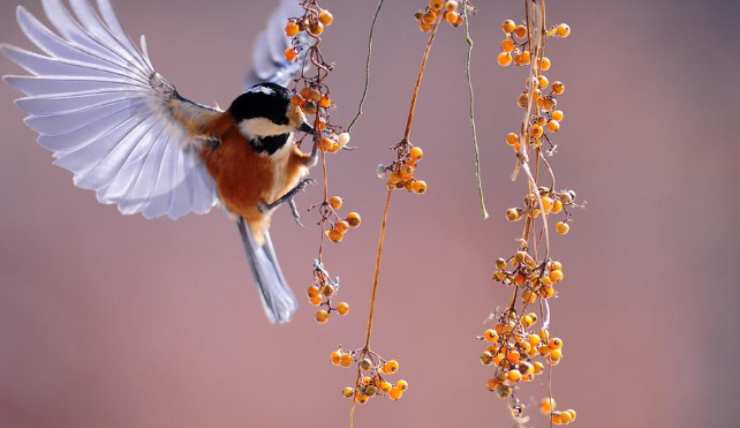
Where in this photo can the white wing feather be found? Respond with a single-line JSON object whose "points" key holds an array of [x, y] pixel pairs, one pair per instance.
{"points": [[268, 57], [100, 107]]}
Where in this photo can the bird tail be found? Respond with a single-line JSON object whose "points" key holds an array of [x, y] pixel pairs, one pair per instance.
{"points": [[277, 297]]}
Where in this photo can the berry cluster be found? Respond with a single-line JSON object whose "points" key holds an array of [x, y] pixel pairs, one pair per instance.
{"points": [[449, 11], [401, 174], [321, 294], [372, 372], [313, 96], [519, 346]]}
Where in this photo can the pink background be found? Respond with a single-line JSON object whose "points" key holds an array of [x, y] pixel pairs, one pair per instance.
{"points": [[113, 321]]}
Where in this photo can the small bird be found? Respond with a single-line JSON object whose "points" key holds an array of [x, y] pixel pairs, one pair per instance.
{"points": [[124, 131]]}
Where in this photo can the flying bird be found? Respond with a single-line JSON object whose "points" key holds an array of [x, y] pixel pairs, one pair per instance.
{"points": [[99, 105]]}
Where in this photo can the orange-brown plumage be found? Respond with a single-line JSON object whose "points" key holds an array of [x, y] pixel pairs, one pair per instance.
{"points": [[246, 179]]}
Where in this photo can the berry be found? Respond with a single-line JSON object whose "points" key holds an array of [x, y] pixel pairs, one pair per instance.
{"points": [[547, 405], [354, 219], [508, 26], [326, 17], [562, 228], [390, 366], [291, 54], [343, 308], [322, 316], [292, 29], [336, 202], [504, 59], [563, 31]]}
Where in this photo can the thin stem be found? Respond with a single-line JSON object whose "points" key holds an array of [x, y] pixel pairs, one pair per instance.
{"points": [[378, 264], [419, 79], [471, 108], [367, 67]]}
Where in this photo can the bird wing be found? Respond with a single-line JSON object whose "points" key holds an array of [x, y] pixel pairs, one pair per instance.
{"points": [[268, 56], [107, 116]]}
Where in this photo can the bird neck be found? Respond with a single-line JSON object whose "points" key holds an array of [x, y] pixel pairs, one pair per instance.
{"points": [[269, 145]]}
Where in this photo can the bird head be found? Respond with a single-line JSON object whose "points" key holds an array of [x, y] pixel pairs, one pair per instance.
{"points": [[265, 111]]}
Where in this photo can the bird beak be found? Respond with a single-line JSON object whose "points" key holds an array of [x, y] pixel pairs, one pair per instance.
{"points": [[308, 129]]}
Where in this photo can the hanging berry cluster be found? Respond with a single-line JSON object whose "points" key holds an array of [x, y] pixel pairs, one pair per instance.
{"points": [[449, 11], [519, 346], [314, 97], [373, 374]]}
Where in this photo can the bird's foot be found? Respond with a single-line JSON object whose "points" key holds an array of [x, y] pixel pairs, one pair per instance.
{"points": [[289, 198]]}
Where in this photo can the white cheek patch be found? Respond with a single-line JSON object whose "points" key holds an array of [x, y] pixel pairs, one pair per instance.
{"points": [[261, 127]]}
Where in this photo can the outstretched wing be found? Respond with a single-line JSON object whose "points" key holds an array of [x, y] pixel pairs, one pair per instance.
{"points": [[98, 104], [268, 57]]}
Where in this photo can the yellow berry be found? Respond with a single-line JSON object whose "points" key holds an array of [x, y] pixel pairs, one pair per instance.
{"points": [[292, 29], [547, 405], [348, 392], [336, 202], [555, 356], [322, 316], [562, 228], [354, 219], [508, 26], [527, 321], [523, 100], [402, 385], [538, 367], [504, 59], [385, 386], [563, 30], [555, 343], [547, 204], [534, 339], [343, 308], [326, 17], [390, 366]]}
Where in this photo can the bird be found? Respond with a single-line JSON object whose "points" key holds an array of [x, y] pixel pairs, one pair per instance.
{"points": [[124, 131]]}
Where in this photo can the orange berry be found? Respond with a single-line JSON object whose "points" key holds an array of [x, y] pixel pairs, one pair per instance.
{"points": [[452, 17], [419, 187], [325, 102], [342, 226], [354, 219], [297, 100], [547, 405], [555, 343], [558, 88], [514, 375], [536, 131], [416, 153], [490, 336], [316, 28], [336, 202], [529, 297], [291, 54], [292, 29], [504, 59], [313, 291], [545, 63], [562, 228], [436, 4], [558, 115], [512, 214], [346, 360], [315, 300], [523, 58], [391, 366], [336, 357], [507, 45], [395, 394], [520, 31], [508, 26], [361, 398], [343, 308], [322, 316], [402, 385], [328, 145], [326, 17], [553, 126], [512, 138], [348, 392], [513, 356], [385, 386], [563, 30], [334, 235]]}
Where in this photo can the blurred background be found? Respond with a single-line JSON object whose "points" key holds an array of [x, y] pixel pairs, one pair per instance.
{"points": [[113, 321]]}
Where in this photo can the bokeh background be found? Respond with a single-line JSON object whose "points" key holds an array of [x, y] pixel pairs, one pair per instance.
{"points": [[113, 321]]}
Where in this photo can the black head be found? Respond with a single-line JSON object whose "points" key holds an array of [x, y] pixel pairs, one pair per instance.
{"points": [[264, 100]]}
